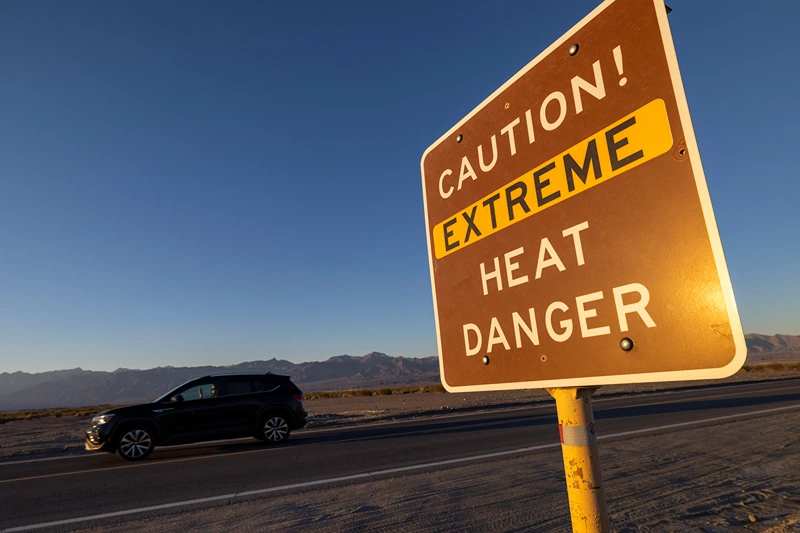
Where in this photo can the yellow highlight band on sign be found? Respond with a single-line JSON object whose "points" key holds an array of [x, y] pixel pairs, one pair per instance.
{"points": [[626, 144]]}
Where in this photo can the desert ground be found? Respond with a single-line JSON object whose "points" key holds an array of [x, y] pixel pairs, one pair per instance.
{"points": [[738, 475]]}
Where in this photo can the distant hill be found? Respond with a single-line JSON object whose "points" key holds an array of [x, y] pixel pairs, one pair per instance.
{"points": [[776, 343], [17, 381], [772, 348], [77, 387]]}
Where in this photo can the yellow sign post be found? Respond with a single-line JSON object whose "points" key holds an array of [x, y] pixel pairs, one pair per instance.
{"points": [[587, 502]]}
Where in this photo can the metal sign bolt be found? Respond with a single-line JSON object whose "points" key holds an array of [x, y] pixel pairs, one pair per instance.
{"points": [[485, 359], [626, 344], [573, 49], [459, 138]]}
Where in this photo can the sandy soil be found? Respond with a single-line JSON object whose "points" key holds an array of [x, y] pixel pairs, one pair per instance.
{"points": [[53, 437], [690, 480]]}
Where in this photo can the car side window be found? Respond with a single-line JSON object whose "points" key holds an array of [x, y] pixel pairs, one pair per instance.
{"points": [[200, 391], [240, 386]]}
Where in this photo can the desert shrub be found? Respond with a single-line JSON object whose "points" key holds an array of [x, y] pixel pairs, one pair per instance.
{"points": [[31, 414], [314, 395], [771, 367], [384, 391]]}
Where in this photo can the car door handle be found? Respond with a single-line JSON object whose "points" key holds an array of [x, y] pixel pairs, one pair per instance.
{"points": [[162, 410]]}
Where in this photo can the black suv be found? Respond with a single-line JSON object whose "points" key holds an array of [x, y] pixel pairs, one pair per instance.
{"points": [[222, 406]]}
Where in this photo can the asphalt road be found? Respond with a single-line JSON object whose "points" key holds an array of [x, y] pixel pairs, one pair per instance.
{"points": [[70, 490]]}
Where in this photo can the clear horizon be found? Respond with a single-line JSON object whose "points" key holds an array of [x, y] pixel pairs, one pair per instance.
{"points": [[224, 183], [199, 364]]}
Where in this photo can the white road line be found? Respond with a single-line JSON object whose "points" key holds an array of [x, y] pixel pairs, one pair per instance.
{"points": [[487, 410], [309, 432], [695, 422], [89, 455], [281, 488], [119, 513], [421, 466], [6, 463]]}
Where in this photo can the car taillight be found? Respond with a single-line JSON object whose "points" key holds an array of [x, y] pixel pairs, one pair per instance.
{"points": [[298, 397]]}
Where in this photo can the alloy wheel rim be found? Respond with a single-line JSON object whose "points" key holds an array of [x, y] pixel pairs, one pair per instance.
{"points": [[135, 443], [276, 429]]}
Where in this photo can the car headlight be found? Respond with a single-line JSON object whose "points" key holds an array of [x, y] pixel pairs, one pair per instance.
{"points": [[101, 419]]}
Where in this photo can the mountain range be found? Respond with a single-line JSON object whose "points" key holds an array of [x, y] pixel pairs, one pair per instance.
{"points": [[77, 387]]}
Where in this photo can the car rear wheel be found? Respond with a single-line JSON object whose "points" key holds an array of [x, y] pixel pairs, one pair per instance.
{"points": [[275, 429], [135, 443]]}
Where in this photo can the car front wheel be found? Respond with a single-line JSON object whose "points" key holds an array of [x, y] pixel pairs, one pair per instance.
{"points": [[135, 443], [275, 429]]}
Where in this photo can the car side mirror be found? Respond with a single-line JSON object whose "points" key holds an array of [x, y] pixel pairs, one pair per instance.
{"points": [[178, 398]]}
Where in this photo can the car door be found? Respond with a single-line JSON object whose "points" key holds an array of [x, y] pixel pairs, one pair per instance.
{"points": [[173, 419], [242, 403], [196, 416]]}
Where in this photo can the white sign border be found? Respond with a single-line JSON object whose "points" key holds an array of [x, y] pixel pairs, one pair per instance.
{"points": [[708, 212]]}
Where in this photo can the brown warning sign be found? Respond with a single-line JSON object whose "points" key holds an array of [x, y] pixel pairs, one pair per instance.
{"points": [[570, 232]]}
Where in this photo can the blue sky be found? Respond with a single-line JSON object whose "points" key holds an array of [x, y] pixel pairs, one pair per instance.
{"points": [[197, 183]]}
